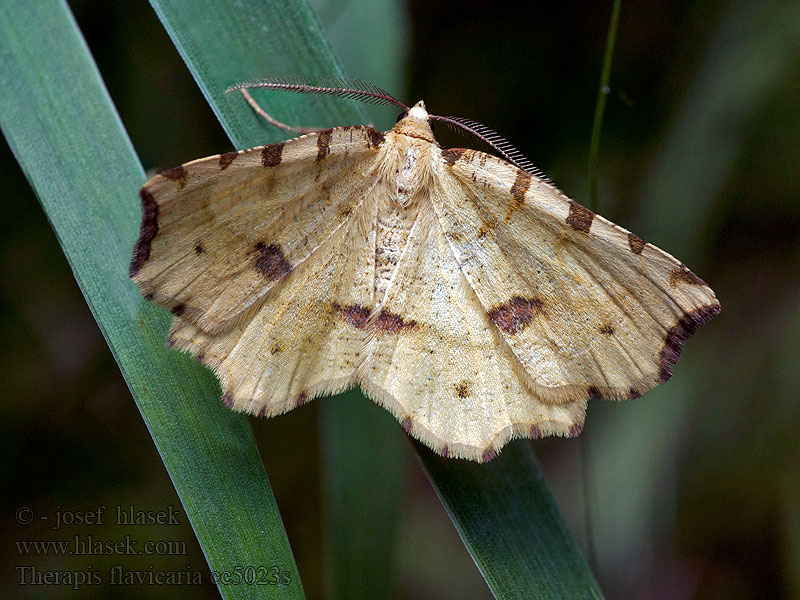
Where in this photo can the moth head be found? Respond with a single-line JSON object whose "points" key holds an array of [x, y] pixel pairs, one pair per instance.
{"points": [[418, 112], [415, 123]]}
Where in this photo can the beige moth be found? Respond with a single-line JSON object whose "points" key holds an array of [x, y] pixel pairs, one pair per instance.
{"points": [[461, 291]]}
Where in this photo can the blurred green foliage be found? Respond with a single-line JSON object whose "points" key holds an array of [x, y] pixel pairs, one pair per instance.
{"points": [[693, 488]]}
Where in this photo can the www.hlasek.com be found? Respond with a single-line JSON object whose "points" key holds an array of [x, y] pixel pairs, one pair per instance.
{"points": [[88, 545]]}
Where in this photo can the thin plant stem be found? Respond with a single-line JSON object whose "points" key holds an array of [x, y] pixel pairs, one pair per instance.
{"points": [[591, 555], [594, 154], [600, 106]]}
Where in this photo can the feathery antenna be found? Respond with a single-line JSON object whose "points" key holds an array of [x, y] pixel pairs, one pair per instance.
{"points": [[364, 91], [494, 140], [353, 89]]}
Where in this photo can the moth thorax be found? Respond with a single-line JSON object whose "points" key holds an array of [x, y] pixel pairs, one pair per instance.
{"points": [[412, 174]]}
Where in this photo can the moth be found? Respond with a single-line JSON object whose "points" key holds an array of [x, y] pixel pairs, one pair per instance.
{"points": [[461, 291]]}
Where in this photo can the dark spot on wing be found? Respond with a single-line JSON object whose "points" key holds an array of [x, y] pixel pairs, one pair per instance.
{"points": [[633, 394], [198, 248], [276, 347], [374, 138], [594, 393], [579, 218], [451, 155], [271, 155], [271, 262], [679, 333], [607, 329], [462, 388], [226, 159], [392, 323], [355, 315], [518, 191], [148, 297], [227, 400], [301, 399], [178, 174], [488, 455], [178, 309], [636, 243], [263, 412], [684, 275], [446, 452], [323, 143], [147, 231], [514, 315], [535, 433]]}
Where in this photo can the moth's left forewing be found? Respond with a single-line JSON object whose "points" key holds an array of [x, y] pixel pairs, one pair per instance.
{"points": [[297, 344], [588, 308], [219, 233]]}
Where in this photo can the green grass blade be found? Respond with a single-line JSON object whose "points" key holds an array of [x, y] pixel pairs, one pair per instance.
{"points": [[363, 476], [511, 525], [225, 43], [63, 129]]}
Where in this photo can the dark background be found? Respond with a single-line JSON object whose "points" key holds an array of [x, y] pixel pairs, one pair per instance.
{"points": [[693, 490]]}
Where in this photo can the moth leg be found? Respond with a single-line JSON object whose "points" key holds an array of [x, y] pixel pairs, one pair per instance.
{"points": [[261, 112]]}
